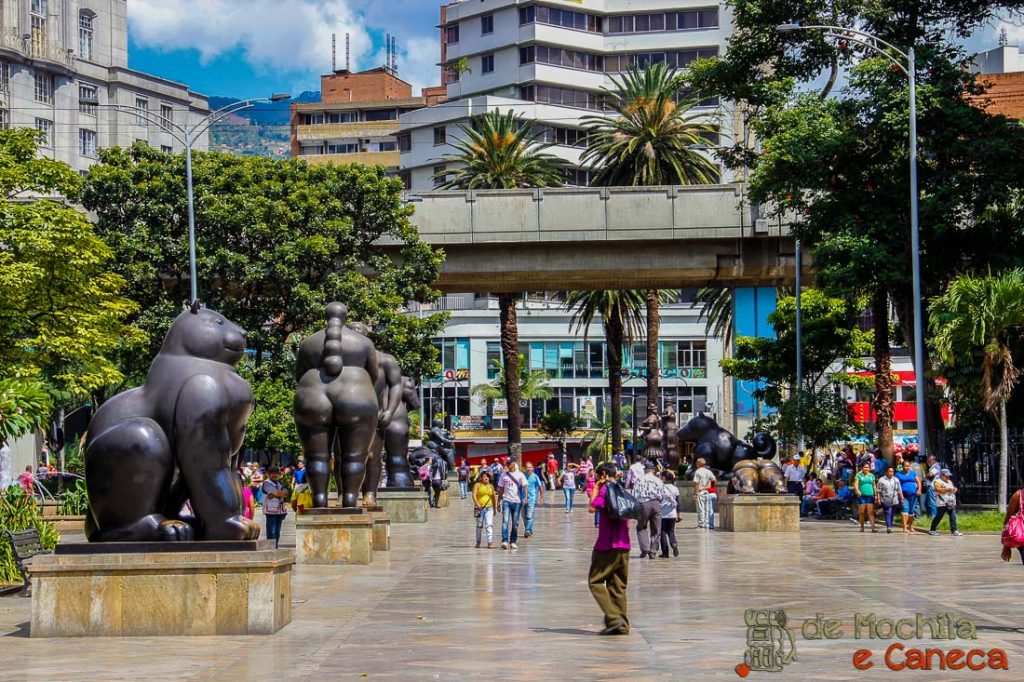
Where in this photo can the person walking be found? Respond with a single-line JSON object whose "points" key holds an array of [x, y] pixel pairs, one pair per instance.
{"points": [[910, 485], [1014, 508], [534, 496], [300, 471], [945, 497], [569, 486], [864, 489], [257, 478], [649, 491], [552, 471], [930, 502], [889, 494], [670, 509], [248, 501], [712, 500], [590, 489], [609, 562], [485, 504], [463, 479], [703, 478], [274, 507], [512, 489], [794, 474], [424, 474]]}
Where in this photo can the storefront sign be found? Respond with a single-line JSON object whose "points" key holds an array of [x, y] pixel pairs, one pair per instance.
{"points": [[586, 408]]}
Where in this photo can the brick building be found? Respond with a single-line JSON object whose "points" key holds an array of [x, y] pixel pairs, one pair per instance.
{"points": [[1002, 70]]}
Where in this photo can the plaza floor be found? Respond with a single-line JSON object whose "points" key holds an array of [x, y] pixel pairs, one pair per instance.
{"points": [[436, 608]]}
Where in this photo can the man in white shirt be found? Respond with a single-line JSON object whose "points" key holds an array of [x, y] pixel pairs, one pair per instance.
{"points": [[702, 480], [794, 474], [649, 491], [635, 473], [512, 489]]}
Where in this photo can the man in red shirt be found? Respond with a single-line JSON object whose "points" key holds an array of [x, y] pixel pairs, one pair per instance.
{"points": [[552, 469], [609, 562]]}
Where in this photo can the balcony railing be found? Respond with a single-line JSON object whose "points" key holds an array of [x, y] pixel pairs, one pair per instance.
{"points": [[360, 129], [386, 159], [12, 40]]}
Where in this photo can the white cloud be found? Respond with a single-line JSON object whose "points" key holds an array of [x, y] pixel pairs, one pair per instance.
{"points": [[274, 35]]}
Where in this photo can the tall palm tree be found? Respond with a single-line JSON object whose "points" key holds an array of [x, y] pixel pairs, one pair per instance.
{"points": [[622, 317], [717, 311], [986, 314], [651, 139], [531, 384], [500, 151], [654, 299]]}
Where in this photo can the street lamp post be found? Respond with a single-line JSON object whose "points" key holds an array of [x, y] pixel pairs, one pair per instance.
{"points": [[186, 135], [907, 66]]}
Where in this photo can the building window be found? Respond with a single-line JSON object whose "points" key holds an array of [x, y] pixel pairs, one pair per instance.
{"points": [[566, 137], [566, 97], [85, 20], [686, 359], [87, 94], [454, 357], [493, 360], [405, 142], [312, 119], [87, 142], [671, 21], [37, 12], [487, 63], [440, 174], [45, 126], [527, 55], [44, 88], [348, 148], [568, 58], [387, 146], [167, 149], [166, 114], [451, 34], [5, 76], [142, 105], [343, 117], [5, 119], [527, 15], [382, 115], [486, 24], [440, 135], [579, 21]]}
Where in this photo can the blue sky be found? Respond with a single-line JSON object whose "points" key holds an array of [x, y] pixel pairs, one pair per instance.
{"points": [[251, 48]]}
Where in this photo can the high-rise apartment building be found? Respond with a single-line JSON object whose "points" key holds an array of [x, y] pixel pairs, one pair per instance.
{"points": [[549, 61], [356, 119], [61, 61]]}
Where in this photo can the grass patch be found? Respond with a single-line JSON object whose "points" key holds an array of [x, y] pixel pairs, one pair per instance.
{"points": [[969, 522]]}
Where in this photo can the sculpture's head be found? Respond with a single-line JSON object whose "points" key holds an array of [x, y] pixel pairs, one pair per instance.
{"points": [[764, 445], [438, 424], [359, 327], [697, 427], [409, 394], [204, 333]]}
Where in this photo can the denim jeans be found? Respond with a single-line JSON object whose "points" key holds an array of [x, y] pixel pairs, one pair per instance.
{"points": [[485, 523], [938, 518], [712, 500], [569, 494], [529, 511], [274, 522], [510, 512], [463, 489], [930, 502]]}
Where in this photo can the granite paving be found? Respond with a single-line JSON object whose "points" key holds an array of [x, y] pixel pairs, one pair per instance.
{"points": [[434, 607]]}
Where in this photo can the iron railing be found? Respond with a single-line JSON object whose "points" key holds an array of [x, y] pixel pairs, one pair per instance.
{"points": [[974, 461]]}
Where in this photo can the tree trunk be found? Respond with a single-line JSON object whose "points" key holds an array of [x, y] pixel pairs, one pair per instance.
{"points": [[653, 330], [882, 403], [613, 334], [1004, 457], [510, 355]]}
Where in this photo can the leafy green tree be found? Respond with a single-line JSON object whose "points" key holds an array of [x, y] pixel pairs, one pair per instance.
{"points": [[597, 447], [622, 316], [559, 426], [62, 314], [830, 336], [651, 139], [986, 314], [500, 151], [532, 384], [272, 424], [840, 162], [276, 241]]}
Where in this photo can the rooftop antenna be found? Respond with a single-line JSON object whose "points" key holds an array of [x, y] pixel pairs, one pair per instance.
{"points": [[394, 54], [387, 50], [334, 52], [1003, 38], [348, 53]]}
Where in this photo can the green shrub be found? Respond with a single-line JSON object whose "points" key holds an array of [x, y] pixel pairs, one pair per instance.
{"points": [[74, 501], [19, 511]]}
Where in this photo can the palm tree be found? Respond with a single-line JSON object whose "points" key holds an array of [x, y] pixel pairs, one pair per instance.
{"points": [[655, 297], [598, 447], [986, 314], [651, 139], [717, 311], [622, 316], [531, 384], [500, 151]]}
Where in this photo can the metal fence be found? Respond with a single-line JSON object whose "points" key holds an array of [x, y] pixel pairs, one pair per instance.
{"points": [[974, 461]]}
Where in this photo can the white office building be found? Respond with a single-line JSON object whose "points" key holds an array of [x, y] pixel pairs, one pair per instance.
{"points": [[548, 61], [59, 59]]}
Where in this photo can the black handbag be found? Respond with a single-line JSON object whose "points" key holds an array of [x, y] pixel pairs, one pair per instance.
{"points": [[619, 503]]}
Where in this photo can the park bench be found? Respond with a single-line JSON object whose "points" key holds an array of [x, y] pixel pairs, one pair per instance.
{"points": [[25, 544]]}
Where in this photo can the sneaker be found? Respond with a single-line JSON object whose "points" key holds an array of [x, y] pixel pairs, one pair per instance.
{"points": [[957, 533], [514, 546], [675, 551], [528, 535], [888, 530], [504, 545], [614, 629], [478, 545], [933, 532], [566, 511], [650, 555]]}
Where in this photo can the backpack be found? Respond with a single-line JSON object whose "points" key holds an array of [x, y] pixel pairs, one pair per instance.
{"points": [[620, 504], [1013, 534]]}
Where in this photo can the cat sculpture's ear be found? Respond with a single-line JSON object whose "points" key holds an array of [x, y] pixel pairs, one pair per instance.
{"points": [[194, 308]]}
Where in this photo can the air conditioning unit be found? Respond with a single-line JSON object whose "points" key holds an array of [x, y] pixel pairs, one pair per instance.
{"points": [[761, 226]]}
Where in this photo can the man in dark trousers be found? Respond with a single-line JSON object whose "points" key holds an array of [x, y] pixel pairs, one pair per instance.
{"points": [[649, 491], [609, 562]]}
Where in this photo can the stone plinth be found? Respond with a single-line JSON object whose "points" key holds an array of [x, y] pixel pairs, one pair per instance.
{"points": [[759, 513], [404, 506], [381, 531], [151, 594], [334, 539], [442, 498], [688, 504]]}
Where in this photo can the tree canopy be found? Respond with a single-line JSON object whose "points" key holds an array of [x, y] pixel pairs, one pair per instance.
{"points": [[276, 241]]}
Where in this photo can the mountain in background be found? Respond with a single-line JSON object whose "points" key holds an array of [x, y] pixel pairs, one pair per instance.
{"points": [[261, 130]]}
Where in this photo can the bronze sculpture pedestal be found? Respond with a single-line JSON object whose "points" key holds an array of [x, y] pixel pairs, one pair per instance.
{"points": [[334, 536], [407, 505], [759, 513]]}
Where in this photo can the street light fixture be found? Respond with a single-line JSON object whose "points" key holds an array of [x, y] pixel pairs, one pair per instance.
{"points": [[872, 42], [186, 135]]}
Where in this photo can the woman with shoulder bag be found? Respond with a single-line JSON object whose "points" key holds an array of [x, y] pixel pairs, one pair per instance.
{"points": [[945, 492], [889, 494], [1013, 527]]}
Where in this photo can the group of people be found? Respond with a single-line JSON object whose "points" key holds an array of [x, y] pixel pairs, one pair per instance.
{"points": [[272, 488], [515, 494], [902, 492]]}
